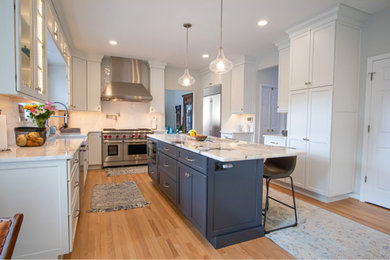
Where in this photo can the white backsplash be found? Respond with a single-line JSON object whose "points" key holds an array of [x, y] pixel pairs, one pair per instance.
{"points": [[10, 109], [129, 115]]}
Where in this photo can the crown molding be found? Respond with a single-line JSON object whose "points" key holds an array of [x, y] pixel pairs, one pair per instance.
{"points": [[157, 65]]}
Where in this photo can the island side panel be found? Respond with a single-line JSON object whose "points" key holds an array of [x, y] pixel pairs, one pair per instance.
{"points": [[234, 201]]}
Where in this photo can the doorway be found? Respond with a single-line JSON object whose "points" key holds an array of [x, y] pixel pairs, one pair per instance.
{"points": [[271, 122], [174, 110], [376, 180]]}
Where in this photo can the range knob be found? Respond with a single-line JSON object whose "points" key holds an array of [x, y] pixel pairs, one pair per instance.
{"points": [[117, 136], [146, 136], [109, 136], [105, 137], [124, 136], [139, 136], [133, 136]]}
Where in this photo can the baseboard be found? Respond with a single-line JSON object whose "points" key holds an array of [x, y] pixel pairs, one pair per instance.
{"points": [[355, 196], [95, 167], [310, 193]]}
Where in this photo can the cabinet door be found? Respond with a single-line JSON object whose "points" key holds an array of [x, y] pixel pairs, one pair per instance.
{"points": [[300, 61], [93, 86], [299, 174], [198, 200], [318, 149], [283, 79], [297, 116], [95, 149], [322, 55], [237, 89], [79, 84], [184, 200]]}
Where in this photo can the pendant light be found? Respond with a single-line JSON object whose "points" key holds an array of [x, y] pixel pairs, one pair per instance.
{"points": [[221, 65], [186, 80]]}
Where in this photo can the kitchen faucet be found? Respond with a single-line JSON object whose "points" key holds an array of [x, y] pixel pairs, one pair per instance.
{"points": [[66, 116]]}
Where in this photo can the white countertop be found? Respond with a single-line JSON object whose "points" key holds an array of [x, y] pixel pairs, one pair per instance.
{"points": [[53, 149], [235, 132], [225, 149], [279, 136]]}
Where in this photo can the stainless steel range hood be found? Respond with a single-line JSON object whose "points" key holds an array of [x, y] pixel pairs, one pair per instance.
{"points": [[125, 79]]}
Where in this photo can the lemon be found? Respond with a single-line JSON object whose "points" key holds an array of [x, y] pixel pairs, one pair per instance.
{"points": [[192, 132]]}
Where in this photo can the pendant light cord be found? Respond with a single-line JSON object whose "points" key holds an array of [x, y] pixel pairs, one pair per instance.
{"points": [[187, 50], [220, 35]]}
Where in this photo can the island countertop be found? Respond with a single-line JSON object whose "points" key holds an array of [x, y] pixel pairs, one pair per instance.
{"points": [[225, 150], [53, 149]]}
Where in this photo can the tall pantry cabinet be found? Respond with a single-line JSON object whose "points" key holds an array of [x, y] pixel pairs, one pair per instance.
{"points": [[323, 100]]}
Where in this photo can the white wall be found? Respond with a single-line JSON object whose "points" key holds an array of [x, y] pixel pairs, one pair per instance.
{"points": [[171, 77], [57, 83], [375, 41]]}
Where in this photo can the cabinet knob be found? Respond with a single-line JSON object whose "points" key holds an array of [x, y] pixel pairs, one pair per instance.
{"points": [[187, 175]]}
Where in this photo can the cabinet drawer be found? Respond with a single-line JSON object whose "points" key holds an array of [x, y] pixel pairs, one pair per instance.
{"points": [[196, 161], [73, 219], [275, 141], [73, 189], [167, 149], [152, 172], [168, 186], [168, 165]]}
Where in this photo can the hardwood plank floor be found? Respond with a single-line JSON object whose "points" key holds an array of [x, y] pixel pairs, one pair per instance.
{"points": [[161, 231]]}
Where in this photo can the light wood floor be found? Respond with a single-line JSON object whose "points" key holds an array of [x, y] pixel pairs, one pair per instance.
{"points": [[161, 231]]}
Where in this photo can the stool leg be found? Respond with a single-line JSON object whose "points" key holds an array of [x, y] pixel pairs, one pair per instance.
{"points": [[266, 201], [293, 195]]}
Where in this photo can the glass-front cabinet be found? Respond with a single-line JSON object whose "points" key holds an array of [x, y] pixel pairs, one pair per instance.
{"points": [[31, 48]]}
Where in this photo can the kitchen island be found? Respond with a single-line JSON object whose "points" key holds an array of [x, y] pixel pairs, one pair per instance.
{"points": [[217, 184]]}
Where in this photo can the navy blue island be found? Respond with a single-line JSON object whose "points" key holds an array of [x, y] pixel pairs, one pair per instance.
{"points": [[217, 183]]}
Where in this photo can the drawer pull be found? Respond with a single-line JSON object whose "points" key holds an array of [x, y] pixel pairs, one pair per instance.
{"points": [[166, 165], [76, 185], [273, 142], [78, 213], [189, 159], [221, 166], [165, 185], [166, 149], [76, 161], [187, 175]]}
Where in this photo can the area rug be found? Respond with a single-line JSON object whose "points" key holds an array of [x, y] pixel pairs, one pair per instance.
{"points": [[125, 170], [323, 234], [116, 196]]}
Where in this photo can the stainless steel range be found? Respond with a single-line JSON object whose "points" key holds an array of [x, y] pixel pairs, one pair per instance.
{"points": [[125, 146]]}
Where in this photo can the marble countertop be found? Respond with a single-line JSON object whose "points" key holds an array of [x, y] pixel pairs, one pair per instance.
{"points": [[235, 132], [53, 149], [225, 149]]}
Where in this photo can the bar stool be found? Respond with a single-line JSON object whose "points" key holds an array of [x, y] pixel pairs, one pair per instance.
{"points": [[9, 231], [278, 168]]}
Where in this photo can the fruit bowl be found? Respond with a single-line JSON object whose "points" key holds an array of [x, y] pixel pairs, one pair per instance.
{"points": [[200, 138], [30, 136]]}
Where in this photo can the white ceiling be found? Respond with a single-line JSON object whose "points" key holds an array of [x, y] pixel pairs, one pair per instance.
{"points": [[152, 29]]}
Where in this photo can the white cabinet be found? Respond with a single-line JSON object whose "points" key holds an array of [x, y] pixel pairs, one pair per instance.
{"points": [[157, 86], [275, 140], [323, 100], [243, 87], [23, 49], [79, 84], [312, 57], [47, 193], [95, 148], [93, 86], [283, 75]]}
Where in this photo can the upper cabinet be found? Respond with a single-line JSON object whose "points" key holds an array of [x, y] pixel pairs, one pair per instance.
{"points": [[23, 30], [157, 86], [243, 86], [93, 86], [312, 57], [283, 75]]}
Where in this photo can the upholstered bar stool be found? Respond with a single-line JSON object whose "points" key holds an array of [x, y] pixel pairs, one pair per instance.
{"points": [[278, 168], [9, 231]]}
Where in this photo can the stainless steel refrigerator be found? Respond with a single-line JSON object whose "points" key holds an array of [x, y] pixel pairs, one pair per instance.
{"points": [[212, 111]]}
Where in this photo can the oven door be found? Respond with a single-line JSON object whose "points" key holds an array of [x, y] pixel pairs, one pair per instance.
{"points": [[112, 151], [135, 150]]}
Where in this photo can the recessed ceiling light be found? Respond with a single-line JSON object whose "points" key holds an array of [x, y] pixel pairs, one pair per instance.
{"points": [[205, 56], [113, 42], [262, 23]]}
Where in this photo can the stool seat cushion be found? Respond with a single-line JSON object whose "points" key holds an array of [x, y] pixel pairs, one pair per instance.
{"points": [[5, 225], [274, 172]]}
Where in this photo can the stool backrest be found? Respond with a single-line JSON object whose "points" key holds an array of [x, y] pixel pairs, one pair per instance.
{"points": [[286, 163]]}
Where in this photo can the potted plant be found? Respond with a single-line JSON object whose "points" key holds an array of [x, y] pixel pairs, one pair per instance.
{"points": [[35, 136]]}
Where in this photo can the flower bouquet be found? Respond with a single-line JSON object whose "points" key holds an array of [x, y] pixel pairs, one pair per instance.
{"points": [[35, 136]]}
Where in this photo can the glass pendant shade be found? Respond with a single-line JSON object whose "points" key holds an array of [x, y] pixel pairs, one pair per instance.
{"points": [[221, 65], [186, 80]]}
